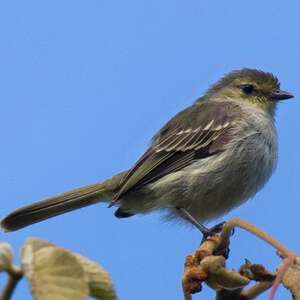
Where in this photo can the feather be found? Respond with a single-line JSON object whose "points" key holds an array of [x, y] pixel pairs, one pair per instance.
{"points": [[192, 134]]}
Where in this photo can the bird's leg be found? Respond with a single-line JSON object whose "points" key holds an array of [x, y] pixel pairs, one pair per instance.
{"points": [[204, 230]]}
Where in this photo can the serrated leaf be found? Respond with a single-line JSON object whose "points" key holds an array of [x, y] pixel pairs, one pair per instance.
{"points": [[6, 256], [53, 273], [99, 280]]}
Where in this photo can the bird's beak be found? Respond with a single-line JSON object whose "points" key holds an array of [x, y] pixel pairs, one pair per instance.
{"points": [[281, 95]]}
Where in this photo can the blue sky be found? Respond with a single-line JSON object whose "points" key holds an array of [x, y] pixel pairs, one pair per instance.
{"points": [[83, 87]]}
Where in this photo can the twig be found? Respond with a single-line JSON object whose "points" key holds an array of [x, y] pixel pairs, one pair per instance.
{"points": [[228, 295], [291, 279], [188, 297], [207, 264], [236, 222], [284, 251], [256, 290], [280, 273], [14, 275]]}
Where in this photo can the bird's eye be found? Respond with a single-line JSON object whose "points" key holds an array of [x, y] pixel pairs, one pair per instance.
{"points": [[247, 88]]}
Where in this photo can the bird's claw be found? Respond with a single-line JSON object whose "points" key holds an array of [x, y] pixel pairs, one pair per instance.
{"points": [[212, 231]]}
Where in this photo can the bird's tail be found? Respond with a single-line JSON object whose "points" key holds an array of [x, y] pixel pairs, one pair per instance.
{"points": [[60, 204]]}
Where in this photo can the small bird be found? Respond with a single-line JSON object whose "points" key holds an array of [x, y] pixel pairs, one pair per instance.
{"points": [[208, 159]]}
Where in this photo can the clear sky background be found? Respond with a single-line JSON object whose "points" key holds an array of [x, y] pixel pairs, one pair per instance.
{"points": [[83, 87]]}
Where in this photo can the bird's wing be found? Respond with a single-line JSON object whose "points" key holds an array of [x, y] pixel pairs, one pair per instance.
{"points": [[195, 133]]}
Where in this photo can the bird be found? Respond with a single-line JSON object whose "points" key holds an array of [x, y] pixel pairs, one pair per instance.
{"points": [[208, 159]]}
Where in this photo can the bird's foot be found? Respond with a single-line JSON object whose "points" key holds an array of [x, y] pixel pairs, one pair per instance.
{"points": [[212, 231], [207, 232]]}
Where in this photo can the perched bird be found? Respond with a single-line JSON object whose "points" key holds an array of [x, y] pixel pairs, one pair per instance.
{"points": [[206, 160]]}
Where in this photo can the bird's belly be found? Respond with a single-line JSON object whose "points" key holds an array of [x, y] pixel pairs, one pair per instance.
{"points": [[218, 184], [210, 187]]}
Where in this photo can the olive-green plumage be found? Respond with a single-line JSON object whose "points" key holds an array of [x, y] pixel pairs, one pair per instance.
{"points": [[207, 159]]}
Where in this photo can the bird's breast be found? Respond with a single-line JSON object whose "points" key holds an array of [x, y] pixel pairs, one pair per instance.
{"points": [[219, 183]]}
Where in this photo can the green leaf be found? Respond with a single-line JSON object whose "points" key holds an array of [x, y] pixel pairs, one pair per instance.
{"points": [[58, 274], [99, 280], [53, 273]]}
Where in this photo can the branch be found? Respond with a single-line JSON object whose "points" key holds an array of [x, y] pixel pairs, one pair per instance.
{"points": [[236, 222], [283, 251], [14, 275], [207, 264], [291, 278]]}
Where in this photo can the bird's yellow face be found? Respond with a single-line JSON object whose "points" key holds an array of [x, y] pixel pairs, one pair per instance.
{"points": [[258, 88]]}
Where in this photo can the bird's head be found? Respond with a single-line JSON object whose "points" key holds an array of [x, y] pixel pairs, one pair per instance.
{"points": [[255, 87]]}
